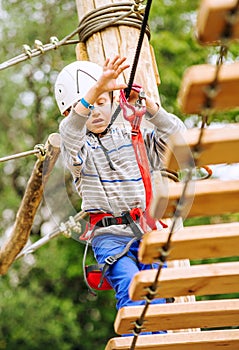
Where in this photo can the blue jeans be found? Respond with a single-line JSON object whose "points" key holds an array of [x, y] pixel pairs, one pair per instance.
{"points": [[120, 274]]}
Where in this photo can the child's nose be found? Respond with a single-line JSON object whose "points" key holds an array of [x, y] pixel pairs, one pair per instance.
{"points": [[95, 112]]}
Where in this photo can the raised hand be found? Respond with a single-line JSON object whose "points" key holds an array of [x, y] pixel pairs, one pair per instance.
{"points": [[111, 70]]}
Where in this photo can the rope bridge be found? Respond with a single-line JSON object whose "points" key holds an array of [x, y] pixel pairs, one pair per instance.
{"points": [[204, 89]]}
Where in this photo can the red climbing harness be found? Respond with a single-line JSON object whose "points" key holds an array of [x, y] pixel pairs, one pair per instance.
{"points": [[135, 118], [94, 274]]}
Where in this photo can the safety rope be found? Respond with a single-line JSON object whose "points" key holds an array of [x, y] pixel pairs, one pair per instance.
{"points": [[165, 249], [212, 89], [39, 49], [129, 14], [69, 229], [126, 13], [39, 150], [231, 20], [136, 58]]}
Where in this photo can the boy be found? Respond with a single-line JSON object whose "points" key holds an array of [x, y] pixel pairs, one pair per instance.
{"points": [[102, 160]]}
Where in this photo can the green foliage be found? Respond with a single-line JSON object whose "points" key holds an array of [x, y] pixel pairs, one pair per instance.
{"points": [[44, 301]]}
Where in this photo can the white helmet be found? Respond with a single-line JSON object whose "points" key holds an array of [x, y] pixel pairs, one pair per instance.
{"points": [[74, 81]]}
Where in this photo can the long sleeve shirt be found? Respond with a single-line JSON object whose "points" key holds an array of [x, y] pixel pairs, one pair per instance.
{"points": [[101, 188]]}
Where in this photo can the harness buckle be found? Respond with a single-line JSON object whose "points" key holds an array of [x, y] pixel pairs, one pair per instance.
{"points": [[134, 132], [110, 260], [106, 221]]}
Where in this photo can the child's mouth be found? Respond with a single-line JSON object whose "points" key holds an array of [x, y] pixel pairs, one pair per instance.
{"points": [[98, 120]]}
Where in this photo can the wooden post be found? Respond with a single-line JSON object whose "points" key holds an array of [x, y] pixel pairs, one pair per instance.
{"points": [[120, 40], [30, 203]]}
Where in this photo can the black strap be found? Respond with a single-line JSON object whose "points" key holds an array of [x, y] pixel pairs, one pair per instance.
{"points": [[110, 260], [93, 268], [126, 219], [134, 227]]}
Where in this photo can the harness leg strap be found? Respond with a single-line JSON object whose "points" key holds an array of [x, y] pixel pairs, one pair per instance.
{"points": [[110, 260]]}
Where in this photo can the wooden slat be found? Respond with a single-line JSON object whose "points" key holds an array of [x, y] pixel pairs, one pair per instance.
{"points": [[200, 314], [196, 81], [193, 242], [212, 21], [203, 198], [213, 340], [217, 146], [205, 279]]}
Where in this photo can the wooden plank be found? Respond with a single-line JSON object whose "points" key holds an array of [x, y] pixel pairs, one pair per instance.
{"points": [[213, 340], [203, 198], [192, 242], [212, 21], [196, 82], [217, 146], [208, 279], [200, 314]]}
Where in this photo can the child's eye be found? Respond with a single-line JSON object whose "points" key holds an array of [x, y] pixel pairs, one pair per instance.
{"points": [[101, 103]]}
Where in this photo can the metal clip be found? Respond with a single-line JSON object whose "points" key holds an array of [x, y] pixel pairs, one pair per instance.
{"points": [[39, 46], [27, 50], [54, 40], [138, 7], [141, 102], [65, 230], [41, 154], [73, 225], [110, 260]]}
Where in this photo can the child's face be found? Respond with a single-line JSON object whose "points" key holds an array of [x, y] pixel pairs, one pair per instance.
{"points": [[100, 116]]}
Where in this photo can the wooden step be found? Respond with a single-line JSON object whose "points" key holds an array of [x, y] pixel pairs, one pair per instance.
{"points": [[208, 279], [219, 145], [196, 82], [213, 340], [199, 314], [203, 198], [192, 242], [212, 21]]}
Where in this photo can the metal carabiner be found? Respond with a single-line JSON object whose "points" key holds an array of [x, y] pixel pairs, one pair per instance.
{"points": [[138, 111]]}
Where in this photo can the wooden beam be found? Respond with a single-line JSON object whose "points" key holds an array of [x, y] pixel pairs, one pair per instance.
{"points": [[195, 87], [207, 279], [203, 198], [192, 242], [217, 146], [213, 340], [30, 203], [200, 314], [213, 21]]}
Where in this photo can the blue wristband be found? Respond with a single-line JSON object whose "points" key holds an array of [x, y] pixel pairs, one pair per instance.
{"points": [[86, 104]]}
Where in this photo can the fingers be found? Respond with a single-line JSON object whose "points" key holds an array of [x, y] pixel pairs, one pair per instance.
{"points": [[120, 87], [116, 64]]}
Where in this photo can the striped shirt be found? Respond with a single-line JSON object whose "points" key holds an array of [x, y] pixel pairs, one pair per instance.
{"points": [[101, 188]]}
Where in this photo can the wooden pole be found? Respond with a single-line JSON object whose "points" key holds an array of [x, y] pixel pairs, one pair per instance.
{"points": [[30, 203], [120, 40]]}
